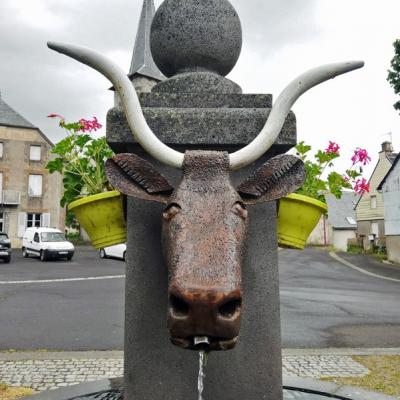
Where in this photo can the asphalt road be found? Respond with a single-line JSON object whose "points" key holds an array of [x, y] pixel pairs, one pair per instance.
{"points": [[65, 315], [323, 303], [326, 304]]}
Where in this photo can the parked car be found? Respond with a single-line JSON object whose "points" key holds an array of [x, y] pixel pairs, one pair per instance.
{"points": [[46, 243], [5, 247], [117, 251]]}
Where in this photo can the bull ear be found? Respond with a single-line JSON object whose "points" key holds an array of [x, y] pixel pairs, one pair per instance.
{"points": [[277, 178], [136, 177]]}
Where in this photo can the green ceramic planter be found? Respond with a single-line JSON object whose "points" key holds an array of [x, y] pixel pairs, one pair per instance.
{"points": [[298, 215], [102, 217]]}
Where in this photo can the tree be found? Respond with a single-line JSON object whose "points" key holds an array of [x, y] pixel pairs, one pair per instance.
{"points": [[394, 73]]}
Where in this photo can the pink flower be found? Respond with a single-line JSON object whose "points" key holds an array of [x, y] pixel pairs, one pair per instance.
{"points": [[361, 156], [89, 126], [332, 148], [346, 178], [361, 186]]}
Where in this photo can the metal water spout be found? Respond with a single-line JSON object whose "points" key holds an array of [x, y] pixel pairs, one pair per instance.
{"points": [[201, 341]]}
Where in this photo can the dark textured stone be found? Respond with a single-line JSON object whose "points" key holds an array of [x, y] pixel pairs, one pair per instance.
{"points": [[198, 82], [193, 35], [155, 369], [215, 127], [205, 100]]}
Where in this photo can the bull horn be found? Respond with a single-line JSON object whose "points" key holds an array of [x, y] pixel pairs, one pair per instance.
{"points": [[149, 141], [134, 115], [281, 108]]}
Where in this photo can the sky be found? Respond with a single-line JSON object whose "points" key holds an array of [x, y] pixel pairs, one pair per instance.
{"points": [[281, 39]]}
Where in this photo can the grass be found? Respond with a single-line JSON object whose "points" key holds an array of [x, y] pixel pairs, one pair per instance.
{"points": [[14, 393], [384, 376]]}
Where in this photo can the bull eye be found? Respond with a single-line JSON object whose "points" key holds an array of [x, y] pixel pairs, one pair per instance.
{"points": [[171, 210], [240, 209]]}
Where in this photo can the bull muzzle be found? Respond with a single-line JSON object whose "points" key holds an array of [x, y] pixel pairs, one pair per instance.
{"points": [[206, 319]]}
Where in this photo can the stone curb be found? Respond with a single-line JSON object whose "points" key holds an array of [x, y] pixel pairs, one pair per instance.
{"points": [[346, 392], [115, 354], [394, 351], [59, 355], [361, 270]]}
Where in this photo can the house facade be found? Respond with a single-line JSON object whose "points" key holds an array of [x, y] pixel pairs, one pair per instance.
{"points": [[339, 225], [29, 195], [390, 189], [370, 209]]}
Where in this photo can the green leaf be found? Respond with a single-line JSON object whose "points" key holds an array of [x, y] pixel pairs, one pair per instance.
{"points": [[82, 140], [55, 165], [302, 148]]}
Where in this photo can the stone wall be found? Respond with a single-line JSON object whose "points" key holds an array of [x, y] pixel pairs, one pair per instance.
{"points": [[393, 248], [16, 167]]}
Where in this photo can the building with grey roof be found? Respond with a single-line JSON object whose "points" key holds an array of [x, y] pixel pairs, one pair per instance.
{"points": [[339, 225], [370, 207], [390, 189], [9, 117], [29, 196]]}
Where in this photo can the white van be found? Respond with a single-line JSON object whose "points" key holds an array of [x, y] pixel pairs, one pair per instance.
{"points": [[46, 243]]}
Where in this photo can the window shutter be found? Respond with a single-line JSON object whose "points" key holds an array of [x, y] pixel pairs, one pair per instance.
{"points": [[35, 187], [46, 220], [21, 224]]}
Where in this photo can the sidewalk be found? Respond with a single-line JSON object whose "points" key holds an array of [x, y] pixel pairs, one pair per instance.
{"points": [[51, 370], [372, 265]]}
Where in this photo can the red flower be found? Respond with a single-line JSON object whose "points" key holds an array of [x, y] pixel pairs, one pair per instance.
{"points": [[361, 186], [332, 148], [361, 156], [89, 126]]}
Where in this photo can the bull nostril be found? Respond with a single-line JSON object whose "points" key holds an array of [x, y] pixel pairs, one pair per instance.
{"points": [[179, 306], [229, 309]]}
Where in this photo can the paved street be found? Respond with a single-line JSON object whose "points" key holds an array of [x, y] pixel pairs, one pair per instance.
{"points": [[324, 304], [62, 315]]}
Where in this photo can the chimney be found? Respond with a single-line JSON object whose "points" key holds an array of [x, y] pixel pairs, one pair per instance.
{"points": [[387, 147]]}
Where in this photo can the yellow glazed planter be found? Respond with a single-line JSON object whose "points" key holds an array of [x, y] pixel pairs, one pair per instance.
{"points": [[298, 215], [102, 217]]}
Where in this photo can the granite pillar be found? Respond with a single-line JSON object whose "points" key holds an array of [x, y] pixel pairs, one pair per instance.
{"points": [[198, 108]]}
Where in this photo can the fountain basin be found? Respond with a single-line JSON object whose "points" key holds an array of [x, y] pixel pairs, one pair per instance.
{"points": [[294, 389]]}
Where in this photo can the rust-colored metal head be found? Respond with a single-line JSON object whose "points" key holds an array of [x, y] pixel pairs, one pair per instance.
{"points": [[204, 235]]}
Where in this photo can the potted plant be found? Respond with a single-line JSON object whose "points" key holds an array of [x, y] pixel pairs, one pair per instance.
{"points": [[299, 213], [88, 194]]}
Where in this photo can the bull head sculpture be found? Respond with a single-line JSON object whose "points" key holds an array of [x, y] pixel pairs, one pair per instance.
{"points": [[205, 217]]}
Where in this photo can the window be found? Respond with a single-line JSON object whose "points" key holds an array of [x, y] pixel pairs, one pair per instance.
{"points": [[1, 222], [52, 237], [375, 229], [35, 153], [35, 185], [373, 202], [36, 238], [33, 220], [1, 149]]}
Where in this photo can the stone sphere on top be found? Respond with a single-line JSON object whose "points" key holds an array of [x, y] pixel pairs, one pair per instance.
{"points": [[196, 36]]}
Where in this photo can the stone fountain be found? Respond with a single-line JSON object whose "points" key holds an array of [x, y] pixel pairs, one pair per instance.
{"points": [[195, 44]]}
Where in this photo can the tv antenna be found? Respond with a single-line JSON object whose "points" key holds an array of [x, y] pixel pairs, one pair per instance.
{"points": [[390, 134]]}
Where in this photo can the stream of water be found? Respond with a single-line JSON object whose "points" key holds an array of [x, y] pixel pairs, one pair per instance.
{"points": [[202, 374]]}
